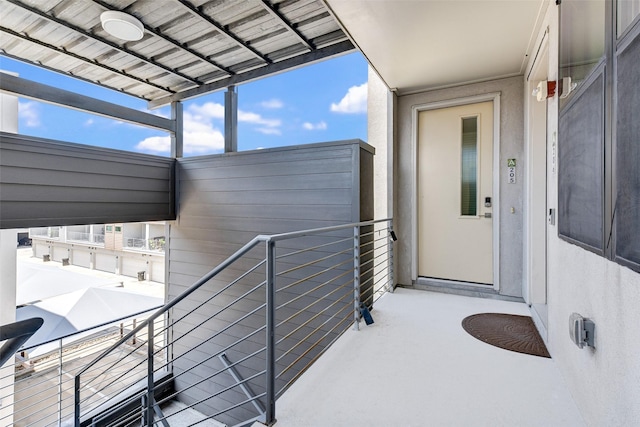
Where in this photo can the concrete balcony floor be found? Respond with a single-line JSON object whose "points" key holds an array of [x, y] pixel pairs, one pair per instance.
{"points": [[416, 366]]}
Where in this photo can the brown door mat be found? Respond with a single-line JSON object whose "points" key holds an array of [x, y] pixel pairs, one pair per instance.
{"points": [[508, 331]]}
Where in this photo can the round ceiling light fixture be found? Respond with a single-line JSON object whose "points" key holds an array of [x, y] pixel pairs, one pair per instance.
{"points": [[121, 25]]}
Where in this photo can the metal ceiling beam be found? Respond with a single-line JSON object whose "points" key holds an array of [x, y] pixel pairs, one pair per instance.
{"points": [[170, 40], [101, 40], [197, 11], [274, 68], [53, 95], [80, 58], [273, 10]]}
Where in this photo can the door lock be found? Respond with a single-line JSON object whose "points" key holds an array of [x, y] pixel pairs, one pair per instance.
{"points": [[487, 202]]}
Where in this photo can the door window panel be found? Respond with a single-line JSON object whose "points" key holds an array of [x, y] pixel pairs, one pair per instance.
{"points": [[469, 178]]}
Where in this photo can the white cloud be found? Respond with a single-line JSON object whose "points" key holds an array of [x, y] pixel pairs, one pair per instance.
{"points": [[354, 102], [208, 110], [318, 126], [155, 144], [202, 134], [269, 131], [272, 104], [199, 133], [257, 119], [29, 112], [88, 122]]}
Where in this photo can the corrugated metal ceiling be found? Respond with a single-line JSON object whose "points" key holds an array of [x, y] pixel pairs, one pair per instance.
{"points": [[188, 48]]}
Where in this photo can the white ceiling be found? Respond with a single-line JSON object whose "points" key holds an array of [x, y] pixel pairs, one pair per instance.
{"points": [[420, 44]]}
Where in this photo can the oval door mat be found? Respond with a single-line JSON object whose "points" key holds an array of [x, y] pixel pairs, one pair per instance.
{"points": [[508, 331]]}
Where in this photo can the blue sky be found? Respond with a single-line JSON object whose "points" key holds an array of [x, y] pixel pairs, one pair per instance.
{"points": [[316, 103]]}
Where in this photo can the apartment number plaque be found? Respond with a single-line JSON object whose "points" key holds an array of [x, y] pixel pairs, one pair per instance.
{"points": [[511, 171]]}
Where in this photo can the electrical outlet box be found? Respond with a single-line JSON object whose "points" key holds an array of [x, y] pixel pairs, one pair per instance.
{"points": [[581, 331]]}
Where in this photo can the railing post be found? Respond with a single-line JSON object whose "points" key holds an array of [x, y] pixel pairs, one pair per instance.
{"points": [[60, 385], [390, 258], [356, 278], [150, 381], [76, 400], [270, 412]]}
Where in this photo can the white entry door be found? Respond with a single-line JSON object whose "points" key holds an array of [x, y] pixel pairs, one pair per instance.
{"points": [[455, 188]]}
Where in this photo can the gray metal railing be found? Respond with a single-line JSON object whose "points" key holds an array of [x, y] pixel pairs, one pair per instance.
{"points": [[78, 236], [156, 244], [235, 340], [50, 232], [36, 386]]}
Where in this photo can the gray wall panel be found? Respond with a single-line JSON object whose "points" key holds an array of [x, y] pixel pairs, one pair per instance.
{"points": [[580, 166], [224, 202], [303, 182], [627, 215], [51, 183]]}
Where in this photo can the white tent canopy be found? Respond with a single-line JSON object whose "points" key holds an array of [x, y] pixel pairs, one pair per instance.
{"points": [[80, 310], [37, 282]]}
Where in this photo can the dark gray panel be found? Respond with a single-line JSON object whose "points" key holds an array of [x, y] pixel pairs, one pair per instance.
{"points": [[336, 196], [50, 183], [274, 155], [307, 167], [227, 200], [627, 215], [302, 182], [580, 166]]}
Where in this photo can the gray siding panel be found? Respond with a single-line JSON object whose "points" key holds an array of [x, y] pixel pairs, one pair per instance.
{"points": [[581, 165], [627, 217], [50, 183], [224, 202]]}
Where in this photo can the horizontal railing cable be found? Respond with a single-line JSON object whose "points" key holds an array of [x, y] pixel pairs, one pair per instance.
{"points": [[304, 368], [33, 388], [224, 330], [319, 278], [313, 276], [321, 285], [300, 342], [219, 392], [226, 307], [316, 302], [214, 272], [216, 355], [315, 261], [223, 289]]}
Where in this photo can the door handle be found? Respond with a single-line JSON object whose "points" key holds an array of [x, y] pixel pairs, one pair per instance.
{"points": [[487, 214]]}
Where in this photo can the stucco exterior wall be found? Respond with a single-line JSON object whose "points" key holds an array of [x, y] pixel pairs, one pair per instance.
{"points": [[511, 146], [603, 381], [380, 125]]}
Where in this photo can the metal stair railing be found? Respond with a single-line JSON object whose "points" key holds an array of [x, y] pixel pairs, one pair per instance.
{"points": [[237, 338], [15, 334], [37, 383]]}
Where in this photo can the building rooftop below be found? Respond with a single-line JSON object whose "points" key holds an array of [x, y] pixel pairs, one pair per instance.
{"points": [[416, 366]]}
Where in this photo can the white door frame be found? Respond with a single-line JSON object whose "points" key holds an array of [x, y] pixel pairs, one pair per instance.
{"points": [[415, 110], [536, 73]]}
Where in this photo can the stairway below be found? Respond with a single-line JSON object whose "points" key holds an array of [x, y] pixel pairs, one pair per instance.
{"points": [[179, 415]]}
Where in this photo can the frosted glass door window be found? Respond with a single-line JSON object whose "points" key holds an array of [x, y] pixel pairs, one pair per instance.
{"points": [[469, 170]]}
